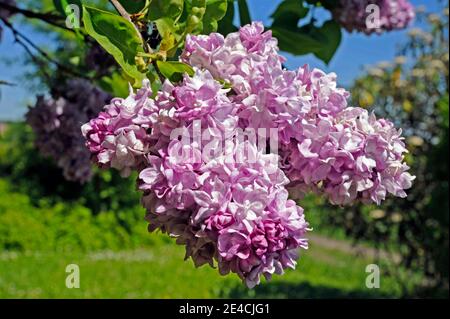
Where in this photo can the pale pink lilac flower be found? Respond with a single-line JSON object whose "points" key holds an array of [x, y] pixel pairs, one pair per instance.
{"points": [[222, 207], [349, 157], [114, 138], [267, 95]]}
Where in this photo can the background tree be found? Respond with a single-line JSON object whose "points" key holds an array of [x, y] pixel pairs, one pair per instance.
{"points": [[413, 91]]}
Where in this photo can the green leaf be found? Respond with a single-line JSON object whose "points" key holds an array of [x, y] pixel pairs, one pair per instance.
{"points": [[174, 70], [195, 11], [288, 14], [168, 31], [244, 13], [115, 84], [117, 36], [331, 35], [165, 9], [226, 24], [61, 5], [215, 11], [155, 81], [296, 42], [166, 14], [134, 6], [321, 41]]}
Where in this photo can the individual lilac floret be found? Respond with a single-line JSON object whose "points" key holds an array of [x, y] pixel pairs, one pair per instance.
{"points": [[117, 137], [56, 122], [199, 96], [350, 157], [393, 14]]}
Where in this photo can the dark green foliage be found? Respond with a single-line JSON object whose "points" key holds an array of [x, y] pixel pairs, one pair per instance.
{"points": [[66, 226], [39, 209], [38, 177]]}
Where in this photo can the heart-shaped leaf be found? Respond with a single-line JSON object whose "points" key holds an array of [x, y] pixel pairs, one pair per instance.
{"points": [[289, 13], [331, 38]]}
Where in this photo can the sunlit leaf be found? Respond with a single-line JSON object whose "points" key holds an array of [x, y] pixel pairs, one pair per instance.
{"points": [[165, 9], [215, 11], [117, 36], [174, 70]]}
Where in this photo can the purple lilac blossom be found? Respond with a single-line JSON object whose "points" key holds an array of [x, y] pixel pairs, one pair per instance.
{"points": [[117, 138], [201, 200], [349, 157], [98, 60], [56, 122], [234, 212], [393, 14]]}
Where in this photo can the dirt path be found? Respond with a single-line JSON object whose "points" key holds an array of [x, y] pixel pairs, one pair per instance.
{"points": [[348, 247]]}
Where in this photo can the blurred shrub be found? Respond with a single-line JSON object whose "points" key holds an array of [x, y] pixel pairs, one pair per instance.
{"points": [[39, 177], [66, 226], [40, 210], [413, 92]]}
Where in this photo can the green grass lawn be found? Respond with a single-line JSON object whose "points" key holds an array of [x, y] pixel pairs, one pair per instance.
{"points": [[160, 272]]}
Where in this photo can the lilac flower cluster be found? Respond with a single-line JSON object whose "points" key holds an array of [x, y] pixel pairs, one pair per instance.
{"points": [[116, 138], [227, 201], [349, 157], [56, 122], [393, 14], [230, 206], [236, 212], [326, 146]]}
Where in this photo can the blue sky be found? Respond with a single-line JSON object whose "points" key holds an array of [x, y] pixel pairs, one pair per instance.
{"points": [[355, 52]]}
